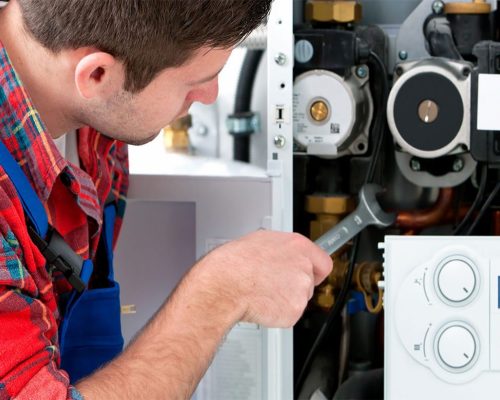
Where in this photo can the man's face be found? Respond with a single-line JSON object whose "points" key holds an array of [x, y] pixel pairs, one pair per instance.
{"points": [[137, 118]]}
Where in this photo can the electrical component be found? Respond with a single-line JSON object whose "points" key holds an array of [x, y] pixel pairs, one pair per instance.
{"points": [[428, 115], [332, 102], [442, 317], [485, 142], [332, 114], [427, 107]]}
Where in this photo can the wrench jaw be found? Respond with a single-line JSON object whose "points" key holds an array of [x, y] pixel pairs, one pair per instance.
{"points": [[368, 196], [367, 213]]}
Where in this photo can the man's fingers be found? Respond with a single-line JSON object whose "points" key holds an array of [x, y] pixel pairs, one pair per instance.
{"points": [[311, 293], [322, 263]]}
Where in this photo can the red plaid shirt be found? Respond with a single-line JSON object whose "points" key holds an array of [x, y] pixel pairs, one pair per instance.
{"points": [[74, 199]]}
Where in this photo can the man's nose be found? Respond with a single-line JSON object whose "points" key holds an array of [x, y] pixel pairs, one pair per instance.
{"points": [[208, 92]]}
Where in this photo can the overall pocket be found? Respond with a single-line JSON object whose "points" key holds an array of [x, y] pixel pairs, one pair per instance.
{"points": [[90, 333]]}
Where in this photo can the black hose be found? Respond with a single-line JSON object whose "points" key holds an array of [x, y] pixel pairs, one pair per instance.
{"points": [[246, 80], [378, 129], [243, 101], [440, 39], [331, 317], [367, 385], [379, 126], [241, 148]]}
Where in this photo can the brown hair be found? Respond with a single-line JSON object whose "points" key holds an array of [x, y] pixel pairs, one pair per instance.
{"points": [[146, 35]]}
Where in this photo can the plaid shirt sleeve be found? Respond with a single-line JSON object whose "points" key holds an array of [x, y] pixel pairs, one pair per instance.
{"points": [[29, 353]]}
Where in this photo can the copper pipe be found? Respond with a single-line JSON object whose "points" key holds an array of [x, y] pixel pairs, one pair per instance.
{"points": [[420, 219], [453, 216], [496, 223]]}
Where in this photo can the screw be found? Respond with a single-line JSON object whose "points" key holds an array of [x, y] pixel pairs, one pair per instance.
{"points": [[466, 72], [415, 164], [458, 164], [279, 141], [438, 7], [280, 59], [202, 130], [403, 55], [361, 72], [399, 71]]}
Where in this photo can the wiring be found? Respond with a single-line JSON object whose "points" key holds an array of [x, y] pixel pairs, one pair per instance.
{"points": [[475, 203], [378, 130], [332, 315], [485, 207]]}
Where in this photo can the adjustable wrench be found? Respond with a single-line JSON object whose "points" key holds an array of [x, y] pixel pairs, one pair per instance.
{"points": [[367, 213]]}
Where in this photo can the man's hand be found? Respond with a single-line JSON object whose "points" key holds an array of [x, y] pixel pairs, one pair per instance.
{"points": [[265, 277], [271, 275]]}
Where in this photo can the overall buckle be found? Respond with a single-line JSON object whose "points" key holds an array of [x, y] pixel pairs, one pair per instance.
{"points": [[60, 256]]}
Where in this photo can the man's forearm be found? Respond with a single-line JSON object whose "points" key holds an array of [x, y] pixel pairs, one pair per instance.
{"points": [[168, 358], [265, 278]]}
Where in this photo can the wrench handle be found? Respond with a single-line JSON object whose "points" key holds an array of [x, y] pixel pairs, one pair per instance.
{"points": [[340, 234]]}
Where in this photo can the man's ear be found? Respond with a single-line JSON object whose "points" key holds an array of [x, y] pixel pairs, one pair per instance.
{"points": [[98, 74]]}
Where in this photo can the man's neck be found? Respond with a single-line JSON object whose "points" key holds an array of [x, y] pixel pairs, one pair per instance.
{"points": [[39, 70]]}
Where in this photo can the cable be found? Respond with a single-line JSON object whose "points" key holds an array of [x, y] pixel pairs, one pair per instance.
{"points": [[475, 203], [378, 129], [485, 206], [379, 125], [243, 100], [332, 315]]}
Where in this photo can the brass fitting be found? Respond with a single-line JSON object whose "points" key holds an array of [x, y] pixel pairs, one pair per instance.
{"points": [[176, 136], [329, 211], [336, 205], [474, 7], [324, 296], [319, 111], [338, 11], [366, 278]]}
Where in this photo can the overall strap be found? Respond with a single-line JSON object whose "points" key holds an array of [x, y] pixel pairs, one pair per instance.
{"points": [[56, 251], [31, 203], [108, 233]]}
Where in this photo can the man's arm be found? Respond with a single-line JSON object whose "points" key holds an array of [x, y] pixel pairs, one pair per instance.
{"points": [[266, 278]]}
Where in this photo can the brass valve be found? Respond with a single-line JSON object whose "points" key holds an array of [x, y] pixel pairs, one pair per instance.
{"points": [[329, 211], [324, 296], [338, 11], [366, 278], [176, 136], [473, 7]]}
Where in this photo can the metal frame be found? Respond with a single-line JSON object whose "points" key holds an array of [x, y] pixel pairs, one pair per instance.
{"points": [[280, 169]]}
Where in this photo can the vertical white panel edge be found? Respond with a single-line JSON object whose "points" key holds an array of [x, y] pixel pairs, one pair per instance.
{"points": [[280, 93]]}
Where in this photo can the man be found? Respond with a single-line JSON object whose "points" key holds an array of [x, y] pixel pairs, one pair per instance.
{"points": [[126, 68]]}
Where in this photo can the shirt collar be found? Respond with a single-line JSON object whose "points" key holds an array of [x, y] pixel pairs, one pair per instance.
{"points": [[26, 137]]}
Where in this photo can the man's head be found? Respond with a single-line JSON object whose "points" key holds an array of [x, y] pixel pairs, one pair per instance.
{"points": [[164, 51]]}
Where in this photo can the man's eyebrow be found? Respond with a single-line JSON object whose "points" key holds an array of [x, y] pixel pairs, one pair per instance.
{"points": [[208, 79]]}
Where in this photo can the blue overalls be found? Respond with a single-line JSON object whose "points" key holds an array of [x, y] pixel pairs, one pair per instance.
{"points": [[90, 330]]}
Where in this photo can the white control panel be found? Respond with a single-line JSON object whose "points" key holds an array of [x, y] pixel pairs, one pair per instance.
{"points": [[442, 317]]}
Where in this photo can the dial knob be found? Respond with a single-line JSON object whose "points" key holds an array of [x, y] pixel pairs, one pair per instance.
{"points": [[456, 280], [456, 346]]}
